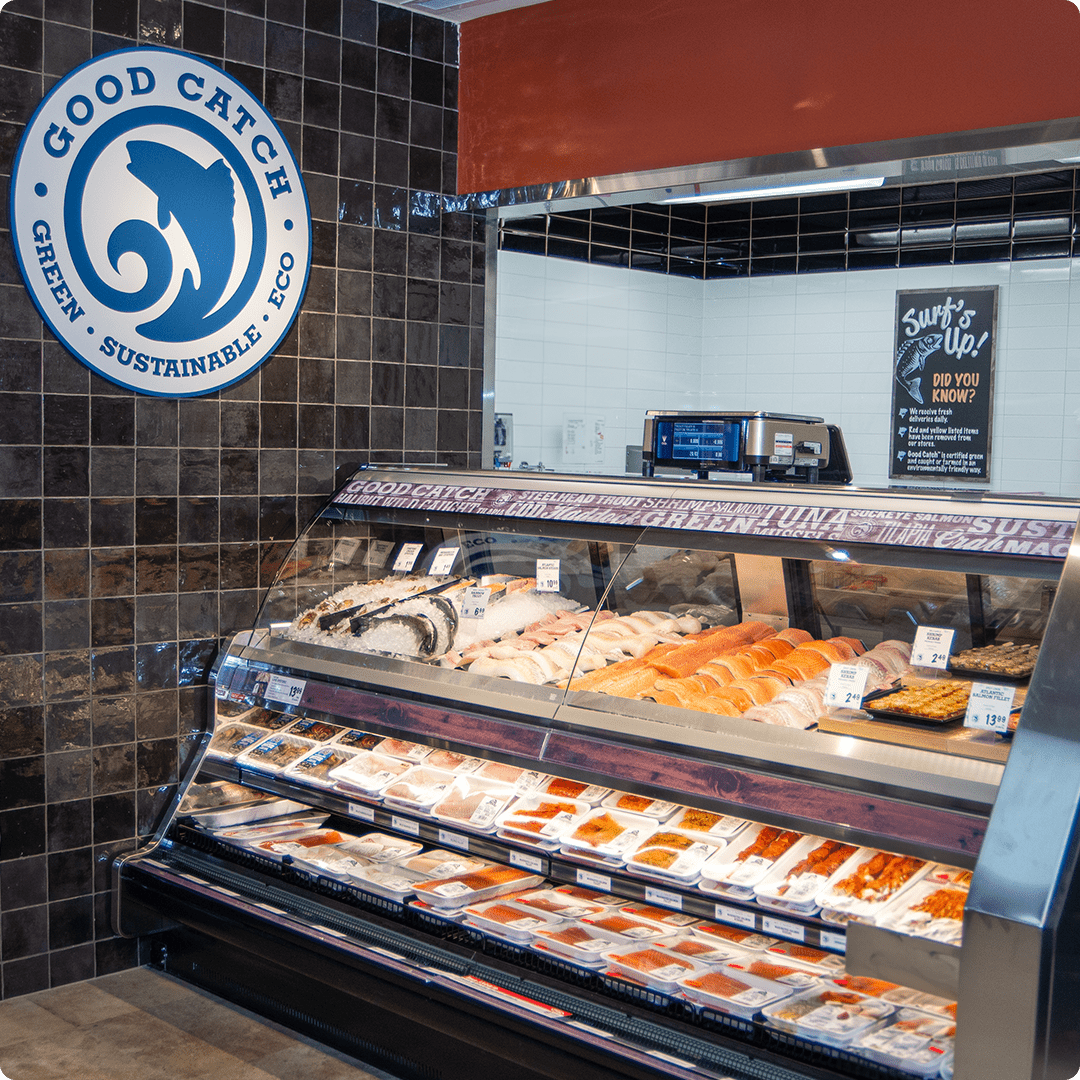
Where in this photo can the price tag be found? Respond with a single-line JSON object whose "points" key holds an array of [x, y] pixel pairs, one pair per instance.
{"points": [[831, 940], [281, 688], [453, 840], [379, 552], [782, 928], [931, 647], [846, 686], [989, 706], [344, 550], [524, 861], [594, 881], [735, 916], [547, 575], [443, 561], [474, 603], [407, 556], [405, 825], [663, 898]]}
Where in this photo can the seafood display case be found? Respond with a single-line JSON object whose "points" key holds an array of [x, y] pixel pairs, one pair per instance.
{"points": [[565, 774]]}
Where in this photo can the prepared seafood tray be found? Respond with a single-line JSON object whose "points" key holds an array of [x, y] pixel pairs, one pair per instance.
{"points": [[541, 816], [355, 739], [400, 748], [735, 869], [707, 826], [905, 996], [820, 960], [640, 804], [734, 935], [506, 919], [559, 788], [671, 854], [317, 730], [391, 880], [265, 830], [316, 766], [938, 702], [417, 789], [796, 879], [557, 903], [476, 886], [233, 739], [622, 928], [332, 860], [657, 968], [834, 1017], [930, 909], [380, 847], [866, 882], [452, 761], [793, 976], [297, 845], [711, 953], [589, 896], [609, 833], [275, 752], [436, 864], [581, 944], [739, 994], [672, 920], [473, 802], [911, 1040], [1007, 661], [368, 772]]}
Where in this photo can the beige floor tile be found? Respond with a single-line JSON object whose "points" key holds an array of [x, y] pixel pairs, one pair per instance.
{"points": [[21, 1015], [310, 1063], [82, 1004]]}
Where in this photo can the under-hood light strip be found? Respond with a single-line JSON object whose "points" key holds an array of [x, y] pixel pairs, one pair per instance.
{"points": [[775, 191]]}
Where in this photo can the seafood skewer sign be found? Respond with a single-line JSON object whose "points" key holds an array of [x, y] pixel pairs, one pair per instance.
{"points": [[943, 383]]}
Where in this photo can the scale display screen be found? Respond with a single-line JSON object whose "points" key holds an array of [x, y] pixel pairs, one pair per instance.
{"points": [[697, 440]]}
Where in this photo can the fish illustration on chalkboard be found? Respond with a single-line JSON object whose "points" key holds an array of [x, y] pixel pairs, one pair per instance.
{"points": [[911, 360]]}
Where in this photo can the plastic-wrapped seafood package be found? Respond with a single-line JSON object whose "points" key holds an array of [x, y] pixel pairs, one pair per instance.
{"points": [[558, 788], [609, 833], [391, 880], [367, 772], [275, 752], [820, 960], [506, 919], [739, 994], [658, 968], [735, 870], [355, 739], [316, 730], [834, 1017], [452, 761], [303, 846], [622, 928], [265, 830], [674, 921], [749, 940], [316, 766], [402, 748], [580, 943], [558, 903], [380, 847], [796, 879], [472, 802], [435, 863], [640, 804], [220, 804], [912, 1041], [536, 815], [932, 908], [475, 886], [866, 882], [417, 789], [708, 826], [232, 739]]}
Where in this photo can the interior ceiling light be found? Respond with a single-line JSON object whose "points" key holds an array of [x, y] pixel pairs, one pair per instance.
{"points": [[774, 191]]}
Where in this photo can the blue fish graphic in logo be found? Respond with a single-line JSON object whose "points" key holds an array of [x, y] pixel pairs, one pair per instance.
{"points": [[202, 201]]}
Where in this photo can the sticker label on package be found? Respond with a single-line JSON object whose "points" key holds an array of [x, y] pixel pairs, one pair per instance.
{"points": [[663, 897], [846, 686], [989, 706], [474, 603], [443, 561], [281, 688], [452, 888], [485, 813], [931, 647], [641, 933], [407, 557], [594, 881], [524, 861], [556, 824], [528, 781], [547, 575], [453, 840], [405, 825], [735, 916], [783, 928]]}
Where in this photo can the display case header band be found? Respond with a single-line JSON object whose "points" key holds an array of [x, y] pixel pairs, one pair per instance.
{"points": [[1038, 538]]}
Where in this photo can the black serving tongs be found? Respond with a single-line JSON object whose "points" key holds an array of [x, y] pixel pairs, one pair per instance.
{"points": [[360, 622]]}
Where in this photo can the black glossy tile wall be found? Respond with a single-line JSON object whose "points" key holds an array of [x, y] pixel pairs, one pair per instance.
{"points": [[137, 532], [1031, 216]]}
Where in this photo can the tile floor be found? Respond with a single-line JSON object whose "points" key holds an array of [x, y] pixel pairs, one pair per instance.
{"points": [[143, 1025]]}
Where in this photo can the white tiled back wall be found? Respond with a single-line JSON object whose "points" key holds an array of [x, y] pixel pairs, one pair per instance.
{"points": [[579, 340]]}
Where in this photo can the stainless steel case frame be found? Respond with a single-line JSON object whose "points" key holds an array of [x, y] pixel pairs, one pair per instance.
{"points": [[1016, 973]]}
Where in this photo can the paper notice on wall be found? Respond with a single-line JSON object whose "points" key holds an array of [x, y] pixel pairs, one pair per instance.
{"points": [[583, 439]]}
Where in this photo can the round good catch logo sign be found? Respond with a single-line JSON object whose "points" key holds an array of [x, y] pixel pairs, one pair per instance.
{"points": [[160, 222]]}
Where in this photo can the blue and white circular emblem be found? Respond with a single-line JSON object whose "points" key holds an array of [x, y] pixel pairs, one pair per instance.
{"points": [[160, 222]]}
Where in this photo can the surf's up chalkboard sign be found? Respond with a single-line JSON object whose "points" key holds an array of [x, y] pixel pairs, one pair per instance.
{"points": [[943, 383]]}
